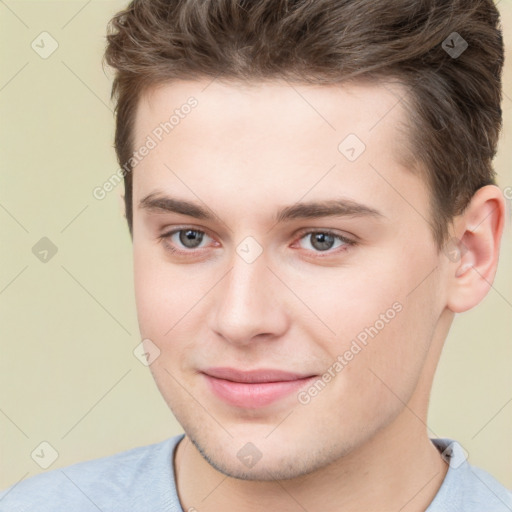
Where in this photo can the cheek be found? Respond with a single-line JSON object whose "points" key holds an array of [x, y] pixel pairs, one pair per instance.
{"points": [[158, 294], [148, 287], [349, 302], [376, 377], [382, 331], [168, 296]]}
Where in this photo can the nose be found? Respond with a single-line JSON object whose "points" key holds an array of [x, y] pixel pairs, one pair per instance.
{"points": [[249, 302]]}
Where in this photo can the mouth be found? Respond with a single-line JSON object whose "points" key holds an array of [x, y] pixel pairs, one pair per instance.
{"points": [[254, 388]]}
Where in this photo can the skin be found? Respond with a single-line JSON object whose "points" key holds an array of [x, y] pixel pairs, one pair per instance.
{"points": [[243, 153]]}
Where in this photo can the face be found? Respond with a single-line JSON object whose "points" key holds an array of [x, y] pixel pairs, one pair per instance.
{"points": [[275, 229]]}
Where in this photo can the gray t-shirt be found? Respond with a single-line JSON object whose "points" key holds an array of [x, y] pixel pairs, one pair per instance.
{"points": [[142, 479]]}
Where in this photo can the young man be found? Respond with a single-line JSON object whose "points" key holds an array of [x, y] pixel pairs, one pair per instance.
{"points": [[310, 192]]}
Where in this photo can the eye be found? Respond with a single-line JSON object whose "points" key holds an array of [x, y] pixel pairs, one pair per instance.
{"points": [[324, 241], [186, 239]]}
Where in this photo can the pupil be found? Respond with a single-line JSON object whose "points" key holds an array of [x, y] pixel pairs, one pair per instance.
{"points": [[325, 241], [189, 238]]}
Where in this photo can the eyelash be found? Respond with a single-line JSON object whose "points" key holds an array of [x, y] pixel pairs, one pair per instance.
{"points": [[348, 243]]}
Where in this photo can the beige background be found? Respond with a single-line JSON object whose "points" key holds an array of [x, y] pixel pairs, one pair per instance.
{"points": [[67, 371]]}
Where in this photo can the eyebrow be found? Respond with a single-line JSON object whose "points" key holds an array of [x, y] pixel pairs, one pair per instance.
{"points": [[342, 207]]}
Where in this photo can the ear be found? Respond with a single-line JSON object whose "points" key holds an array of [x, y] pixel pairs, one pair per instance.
{"points": [[474, 251]]}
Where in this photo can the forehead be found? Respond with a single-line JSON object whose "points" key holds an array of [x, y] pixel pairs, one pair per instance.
{"points": [[261, 137], [270, 105]]}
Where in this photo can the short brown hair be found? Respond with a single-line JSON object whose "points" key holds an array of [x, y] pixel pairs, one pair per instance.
{"points": [[455, 99]]}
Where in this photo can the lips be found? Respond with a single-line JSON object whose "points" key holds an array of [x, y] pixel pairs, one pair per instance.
{"points": [[253, 376], [253, 388]]}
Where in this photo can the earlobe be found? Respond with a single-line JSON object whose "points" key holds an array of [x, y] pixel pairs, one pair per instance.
{"points": [[480, 228]]}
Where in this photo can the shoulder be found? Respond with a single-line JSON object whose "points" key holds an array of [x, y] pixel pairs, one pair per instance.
{"points": [[467, 487], [116, 482]]}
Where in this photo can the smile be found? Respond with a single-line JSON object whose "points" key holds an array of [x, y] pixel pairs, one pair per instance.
{"points": [[254, 389]]}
